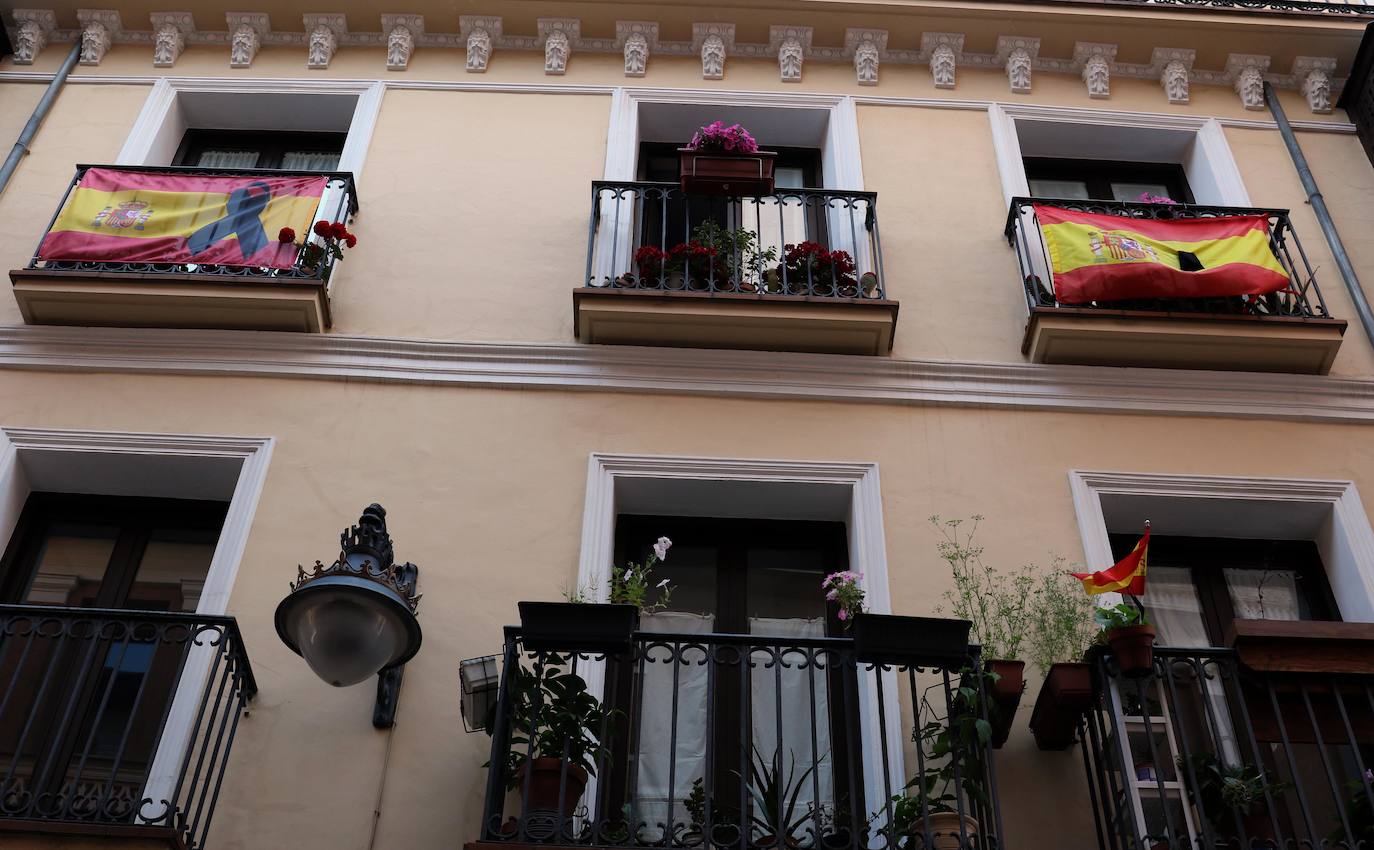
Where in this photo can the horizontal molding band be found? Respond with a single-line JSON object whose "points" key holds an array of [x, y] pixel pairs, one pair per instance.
{"points": [[745, 374]]}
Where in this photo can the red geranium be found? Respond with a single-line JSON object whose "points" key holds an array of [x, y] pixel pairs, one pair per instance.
{"points": [[350, 240], [286, 234], [338, 231], [323, 228]]}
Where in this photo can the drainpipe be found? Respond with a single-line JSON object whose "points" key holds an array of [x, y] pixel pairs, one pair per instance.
{"points": [[40, 112], [1314, 197]]}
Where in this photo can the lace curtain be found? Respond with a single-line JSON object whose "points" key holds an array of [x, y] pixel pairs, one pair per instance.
{"points": [[228, 159], [309, 161], [1264, 594]]}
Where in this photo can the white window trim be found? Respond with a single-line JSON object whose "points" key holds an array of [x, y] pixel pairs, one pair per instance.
{"points": [[867, 556], [254, 452], [1345, 539]]}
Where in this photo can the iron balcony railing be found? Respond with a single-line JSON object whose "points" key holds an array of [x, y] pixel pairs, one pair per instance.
{"points": [[116, 717], [728, 741], [795, 242], [1206, 753], [1313, 7], [1302, 298], [339, 203]]}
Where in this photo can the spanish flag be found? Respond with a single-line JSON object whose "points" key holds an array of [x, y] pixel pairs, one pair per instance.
{"points": [[1126, 576], [141, 217], [1112, 258]]}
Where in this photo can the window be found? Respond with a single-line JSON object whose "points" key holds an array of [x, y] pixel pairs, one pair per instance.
{"points": [[288, 151], [1102, 180]]}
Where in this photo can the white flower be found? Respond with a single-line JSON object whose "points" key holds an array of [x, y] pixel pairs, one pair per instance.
{"points": [[661, 584], [629, 573], [661, 548]]}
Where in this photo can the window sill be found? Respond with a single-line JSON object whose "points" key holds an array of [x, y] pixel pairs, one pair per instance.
{"points": [[1303, 646]]}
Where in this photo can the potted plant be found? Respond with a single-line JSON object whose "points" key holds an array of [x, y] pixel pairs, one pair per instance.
{"points": [[333, 236], [940, 815], [775, 800], [1061, 626], [578, 625], [1131, 637], [999, 606], [721, 160], [812, 269], [1231, 792]]}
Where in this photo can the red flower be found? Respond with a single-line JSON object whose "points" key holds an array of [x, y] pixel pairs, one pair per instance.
{"points": [[337, 230], [322, 228], [350, 240], [287, 235]]}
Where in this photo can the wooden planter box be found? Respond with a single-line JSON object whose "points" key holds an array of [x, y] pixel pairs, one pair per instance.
{"points": [[721, 173], [915, 641], [577, 627], [1066, 694]]}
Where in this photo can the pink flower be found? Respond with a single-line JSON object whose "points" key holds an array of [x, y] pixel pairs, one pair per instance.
{"points": [[843, 615]]}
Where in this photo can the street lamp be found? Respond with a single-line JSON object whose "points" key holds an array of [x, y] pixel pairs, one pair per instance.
{"points": [[355, 618]]}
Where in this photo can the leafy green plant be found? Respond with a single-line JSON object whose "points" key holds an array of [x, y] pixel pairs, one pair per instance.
{"points": [[999, 605], [1224, 789], [1359, 812], [745, 261], [1062, 624], [775, 798], [553, 715], [1120, 616], [634, 584]]}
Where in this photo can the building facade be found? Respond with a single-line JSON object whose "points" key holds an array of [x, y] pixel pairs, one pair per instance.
{"points": [[544, 346]]}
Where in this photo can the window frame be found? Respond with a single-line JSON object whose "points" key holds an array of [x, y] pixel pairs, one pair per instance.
{"points": [[271, 145], [1099, 174]]}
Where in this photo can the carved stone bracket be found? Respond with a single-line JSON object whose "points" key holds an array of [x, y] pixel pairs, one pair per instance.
{"points": [[98, 29], [169, 36], [1173, 66], [636, 39], [1017, 55], [790, 44], [714, 42], [323, 33], [246, 31], [866, 47], [33, 30], [402, 31], [1313, 76], [558, 36], [1246, 73], [480, 34], [1096, 61], [942, 51]]}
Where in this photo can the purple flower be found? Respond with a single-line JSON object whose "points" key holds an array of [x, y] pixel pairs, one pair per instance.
{"points": [[843, 615]]}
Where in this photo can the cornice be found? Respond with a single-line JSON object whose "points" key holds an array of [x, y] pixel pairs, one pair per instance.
{"points": [[740, 374]]}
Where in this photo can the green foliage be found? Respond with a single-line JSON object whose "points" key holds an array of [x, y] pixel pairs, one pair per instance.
{"points": [[738, 249], [775, 798], [552, 708], [1224, 789], [999, 605], [633, 585], [1120, 616], [1062, 624]]}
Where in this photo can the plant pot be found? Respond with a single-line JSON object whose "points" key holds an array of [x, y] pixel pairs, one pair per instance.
{"points": [[771, 840], [577, 627], [944, 831], [724, 173], [545, 780], [1005, 694], [915, 641], [1134, 648], [1065, 696]]}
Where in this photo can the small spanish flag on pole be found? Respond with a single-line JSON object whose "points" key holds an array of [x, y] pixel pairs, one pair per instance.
{"points": [[1127, 576]]}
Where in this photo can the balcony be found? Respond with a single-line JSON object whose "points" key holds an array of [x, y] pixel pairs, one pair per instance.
{"points": [[1286, 331], [139, 293], [799, 270], [727, 741], [1263, 744], [107, 715]]}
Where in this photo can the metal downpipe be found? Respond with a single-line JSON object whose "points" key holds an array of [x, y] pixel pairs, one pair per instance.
{"points": [[21, 147], [1314, 197]]}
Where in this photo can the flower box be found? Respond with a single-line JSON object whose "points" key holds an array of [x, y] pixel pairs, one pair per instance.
{"points": [[1005, 695], [1065, 695], [915, 641], [715, 172], [577, 627]]}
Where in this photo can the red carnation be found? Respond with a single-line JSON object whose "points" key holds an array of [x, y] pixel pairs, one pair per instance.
{"points": [[350, 240], [286, 234], [338, 231], [322, 228]]}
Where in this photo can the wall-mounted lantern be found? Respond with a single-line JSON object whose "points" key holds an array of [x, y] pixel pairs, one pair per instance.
{"points": [[355, 618], [480, 683]]}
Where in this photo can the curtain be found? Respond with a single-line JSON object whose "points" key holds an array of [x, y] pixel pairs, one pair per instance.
{"points": [[1263, 594], [228, 159], [774, 219], [309, 161]]}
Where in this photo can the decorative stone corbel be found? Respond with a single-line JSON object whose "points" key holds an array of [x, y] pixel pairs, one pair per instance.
{"points": [[1246, 72], [479, 33], [98, 28], [866, 47], [169, 36], [323, 32], [558, 35], [713, 42], [1313, 75], [246, 30], [789, 44], [1017, 55], [401, 34], [1174, 67], [942, 50], [636, 39], [33, 31], [1096, 61]]}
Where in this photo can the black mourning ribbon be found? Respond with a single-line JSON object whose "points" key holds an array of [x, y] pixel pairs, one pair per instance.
{"points": [[243, 216], [1188, 262]]}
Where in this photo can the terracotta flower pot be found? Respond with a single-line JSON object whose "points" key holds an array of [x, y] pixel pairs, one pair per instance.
{"points": [[1005, 694], [546, 777], [944, 831], [1064, 697], [1134, 648]]}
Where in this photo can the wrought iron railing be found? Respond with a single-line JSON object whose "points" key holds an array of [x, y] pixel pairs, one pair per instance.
{"points": [[795, 242], [116, 717], [1206, 753], [1301, 298], [338, 204], [1317, 7], [727, 741]]}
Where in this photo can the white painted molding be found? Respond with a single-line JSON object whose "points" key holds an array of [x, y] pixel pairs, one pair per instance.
{"points": [[751, 374]]}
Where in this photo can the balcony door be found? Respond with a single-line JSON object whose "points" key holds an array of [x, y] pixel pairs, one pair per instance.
{"points": [[760, 579], [82, 701]]}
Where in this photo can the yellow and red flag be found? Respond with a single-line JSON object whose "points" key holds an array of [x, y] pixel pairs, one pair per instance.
{"points": [[1111, 258], [1126, 576], [142, 217]]}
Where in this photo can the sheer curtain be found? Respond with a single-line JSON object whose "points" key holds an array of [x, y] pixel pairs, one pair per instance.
{"points": [[1264, 594], [309, 161], [228, 159]]}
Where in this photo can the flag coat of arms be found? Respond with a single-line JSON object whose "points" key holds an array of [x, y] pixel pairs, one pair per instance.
{"points": [[1097, 257], [1125, 576], [138, 217]]}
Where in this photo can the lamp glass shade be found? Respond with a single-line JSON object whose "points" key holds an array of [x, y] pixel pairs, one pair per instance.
{"points": [[347, 635]]}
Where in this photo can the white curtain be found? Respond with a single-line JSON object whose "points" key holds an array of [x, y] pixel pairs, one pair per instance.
{"points": [[791, 687], [228, 159], [777, 220], [1263, 594], [309, 161]]}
